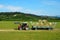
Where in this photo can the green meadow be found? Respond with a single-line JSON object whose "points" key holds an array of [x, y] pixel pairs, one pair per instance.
{"points": [[12, 25], [30, 35], [7, 25], [27, 34]]}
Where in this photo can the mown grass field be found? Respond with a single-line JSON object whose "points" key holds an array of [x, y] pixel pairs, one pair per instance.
{"points": [[30, 35], [12, 25], [27, 34]]}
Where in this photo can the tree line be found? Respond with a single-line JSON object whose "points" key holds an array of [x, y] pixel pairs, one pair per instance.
{"points": [[19, 16]]}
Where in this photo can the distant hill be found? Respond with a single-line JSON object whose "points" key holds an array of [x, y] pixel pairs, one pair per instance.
{"points": [[19, 16], [15, 16]]}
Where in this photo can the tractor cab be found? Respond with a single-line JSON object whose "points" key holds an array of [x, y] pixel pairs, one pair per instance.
{"points": [[24, 26]]}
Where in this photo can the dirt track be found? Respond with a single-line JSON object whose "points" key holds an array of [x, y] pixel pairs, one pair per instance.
{"points": [[9, 30]]}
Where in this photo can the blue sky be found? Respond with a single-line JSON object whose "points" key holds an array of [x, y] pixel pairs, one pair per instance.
{"points": [[37, 7]]}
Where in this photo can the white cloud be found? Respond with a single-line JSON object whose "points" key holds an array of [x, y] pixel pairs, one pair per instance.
{"points": [[14, 8], [10, 8], [27, 10], [51, 2], [1, 6], [36, 12], [40, 12]]}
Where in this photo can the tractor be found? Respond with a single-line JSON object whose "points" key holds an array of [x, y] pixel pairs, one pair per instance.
{"points": [[23, 26], [40, 25]]}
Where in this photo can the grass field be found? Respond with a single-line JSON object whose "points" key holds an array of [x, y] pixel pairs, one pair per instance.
{"points": [[11, 25], [7, 25], [30, 35], [27, 34]]}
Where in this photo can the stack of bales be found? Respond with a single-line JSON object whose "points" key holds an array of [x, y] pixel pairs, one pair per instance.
{"points": [[44, 23]]}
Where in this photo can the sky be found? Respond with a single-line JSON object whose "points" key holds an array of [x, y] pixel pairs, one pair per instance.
{"points": [[37, 7]]}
